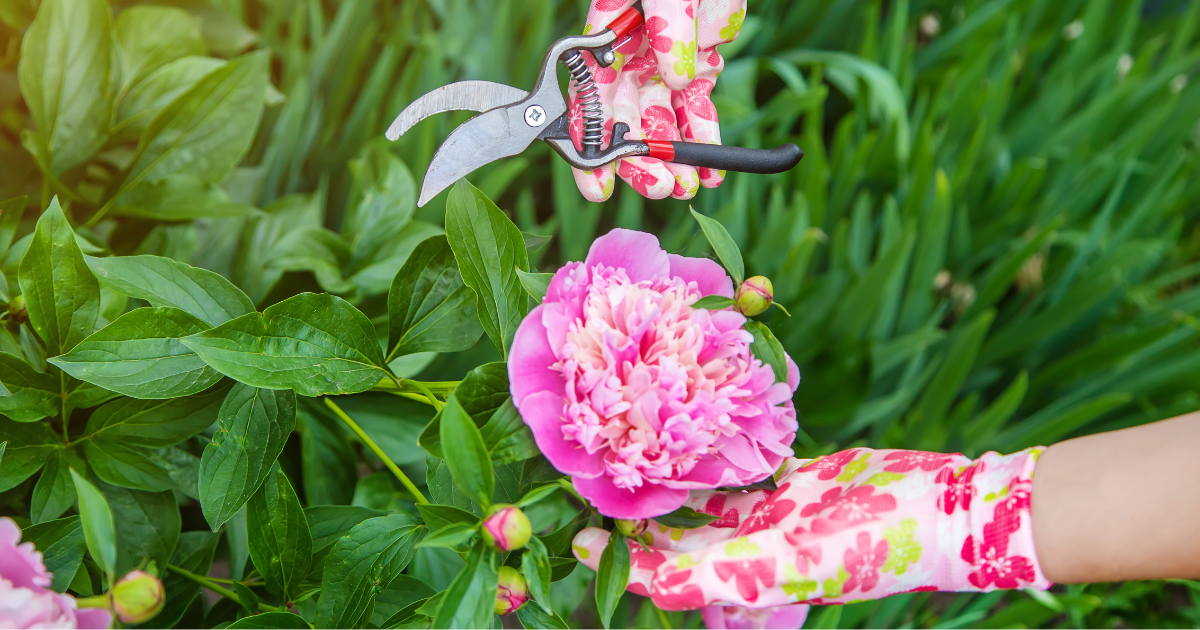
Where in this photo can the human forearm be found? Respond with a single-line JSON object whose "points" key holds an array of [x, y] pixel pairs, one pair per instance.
{"points": [[1121, 505]]}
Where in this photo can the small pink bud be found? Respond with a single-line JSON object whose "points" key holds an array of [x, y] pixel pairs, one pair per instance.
{"points": [[754, 296], [512, 592], [137, 597], [507, 528], [632, 528]]}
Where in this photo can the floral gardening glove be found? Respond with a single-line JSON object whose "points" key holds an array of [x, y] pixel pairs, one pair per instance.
{"points": [[855, 525], [660, 87]]}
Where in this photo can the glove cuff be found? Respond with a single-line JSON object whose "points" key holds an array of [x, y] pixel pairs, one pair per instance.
{"points": [[987, 502]]}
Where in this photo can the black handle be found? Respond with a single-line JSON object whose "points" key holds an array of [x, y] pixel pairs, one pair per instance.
{"points": [[781, 158]]}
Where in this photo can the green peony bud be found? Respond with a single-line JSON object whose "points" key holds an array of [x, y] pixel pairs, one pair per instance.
{"points": [[512, 592], [754, 296], [137, 597], [632, 529], [16, 309], [507, 528]]}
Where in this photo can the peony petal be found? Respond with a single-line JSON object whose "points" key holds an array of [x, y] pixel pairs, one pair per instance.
{"points": [[648, 501], [792, 616], [529, 361], [710, 472], [638, 253], [793, 375], [709, 276], [543, 413], [97, 618]]}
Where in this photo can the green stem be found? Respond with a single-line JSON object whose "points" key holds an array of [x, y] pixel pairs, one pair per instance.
{"points": [[95, 601], [437, 405], [369, 443], [214, 587], [662, 617], [99, 215]]}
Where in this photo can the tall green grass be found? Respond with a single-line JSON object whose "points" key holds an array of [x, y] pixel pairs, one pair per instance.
{"points": [[990, 244]]}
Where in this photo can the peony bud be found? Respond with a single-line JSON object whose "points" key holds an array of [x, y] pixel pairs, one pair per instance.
{"points": [[16, 309], [137, 597], [507, 528], [632, 529], [754, 296], [512, 592]]}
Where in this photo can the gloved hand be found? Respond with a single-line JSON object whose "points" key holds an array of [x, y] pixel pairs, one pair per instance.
{"points": [[859, 524], [660, 87]]}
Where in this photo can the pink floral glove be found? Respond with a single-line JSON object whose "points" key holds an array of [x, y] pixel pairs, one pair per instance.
{"points": [[659, 86], [859, 524]]}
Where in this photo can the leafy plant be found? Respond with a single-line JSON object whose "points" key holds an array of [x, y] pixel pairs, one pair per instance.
{"points": [[232, 340]]}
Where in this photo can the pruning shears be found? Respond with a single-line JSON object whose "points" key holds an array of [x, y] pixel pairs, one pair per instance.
{"points": [[511, 119]]}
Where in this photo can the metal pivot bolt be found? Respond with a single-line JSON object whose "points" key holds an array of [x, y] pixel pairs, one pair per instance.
{"points": [[535, 116]]}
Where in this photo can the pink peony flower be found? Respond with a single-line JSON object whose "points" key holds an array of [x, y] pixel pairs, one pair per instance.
{"points": [[26, 600], [742, 618], [637, 395]]}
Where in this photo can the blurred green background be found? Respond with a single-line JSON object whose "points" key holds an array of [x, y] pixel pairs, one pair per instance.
{"points": [[991, 244]]}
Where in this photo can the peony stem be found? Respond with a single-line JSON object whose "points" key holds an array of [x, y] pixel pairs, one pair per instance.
{"points": [[437, 405], [369, 443], [95, 601], [214, 587], [417, 390]]}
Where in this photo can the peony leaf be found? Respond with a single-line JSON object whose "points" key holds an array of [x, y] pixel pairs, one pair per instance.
{"points": [[723, 246], [62, 296], [535, 565], [32, 395], [439, 517], [273, 619], [465, 454], [507, 437], [685, 518], [313, 343], [148, 527], [65, 76], [382, 203], [714, 302], [370, 556], [429, 307], [767, 349], [99, 530], [54, 492], [126, 466], [140, 355], [534, 616], [280, 540], [481, 393], [61, 543], [535, 284], [154, 423], [450, 536], [612, 576], [328, 523], [470, 600], [253, 425], [489, 249], [27, 445], [165, 282], [206, 130]]}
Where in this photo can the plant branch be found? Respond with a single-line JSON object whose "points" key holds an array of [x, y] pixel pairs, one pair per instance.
{"points": [[369, 443], [214, 587]]}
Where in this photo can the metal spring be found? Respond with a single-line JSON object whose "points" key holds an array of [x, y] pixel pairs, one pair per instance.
{"points": [[589, 99]]}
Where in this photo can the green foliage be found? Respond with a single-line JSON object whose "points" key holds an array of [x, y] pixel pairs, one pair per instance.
{"points": [[990, 244]]}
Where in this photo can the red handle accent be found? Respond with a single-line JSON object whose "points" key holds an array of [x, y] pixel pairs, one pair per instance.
{"points": [[626, 22], [661, 150]]}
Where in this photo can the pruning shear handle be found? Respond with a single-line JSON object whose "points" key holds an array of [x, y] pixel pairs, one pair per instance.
{"points": [[764, 161]]}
